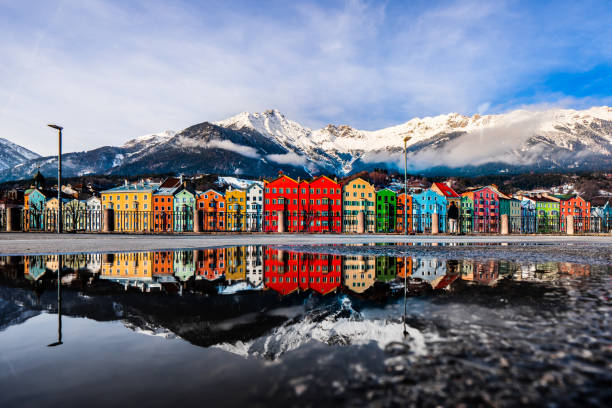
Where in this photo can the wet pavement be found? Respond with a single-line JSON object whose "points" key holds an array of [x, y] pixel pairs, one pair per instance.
{"points": [[362, 325]]}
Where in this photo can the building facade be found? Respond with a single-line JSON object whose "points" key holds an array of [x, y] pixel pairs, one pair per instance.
{"points": [[386, 210], [358, 196], [424, 205]]}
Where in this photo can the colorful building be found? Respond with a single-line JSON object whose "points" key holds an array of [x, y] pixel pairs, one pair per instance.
{"points": [[288, 197], [358, 196], [424, 205], [184, 204], [448, 193], [386, 268], [163, 204], [35, 204], [466, 212], [528, 215], [183, 264], [254, 207], [323, 207], [404, 201], [210, 264], [235, 258], [359, 272], [573, 204], [486, 210], [235, 202], [211, 205], [133, 204], [547, 213], [404, 266], [386, 210]]}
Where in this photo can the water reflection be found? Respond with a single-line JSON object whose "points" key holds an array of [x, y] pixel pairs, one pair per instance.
{"points": [[374, 315], [254, 268]]}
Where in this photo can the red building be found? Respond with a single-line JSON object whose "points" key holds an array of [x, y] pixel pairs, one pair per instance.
{"points": [[286, 272], [310, 207], [323, 210], [486, 210]]}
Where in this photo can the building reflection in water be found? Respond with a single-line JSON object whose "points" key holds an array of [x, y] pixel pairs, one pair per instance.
{"points": [[264, 268]]}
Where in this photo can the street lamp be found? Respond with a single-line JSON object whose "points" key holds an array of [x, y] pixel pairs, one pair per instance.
{"points": [[59, 176], [406, 139]]}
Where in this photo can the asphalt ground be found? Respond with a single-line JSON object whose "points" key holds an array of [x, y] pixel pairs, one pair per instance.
{"points": [[49, 243]]}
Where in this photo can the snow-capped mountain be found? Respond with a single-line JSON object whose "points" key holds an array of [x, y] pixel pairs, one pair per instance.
{"points": [[261, 144], [12, 154]]}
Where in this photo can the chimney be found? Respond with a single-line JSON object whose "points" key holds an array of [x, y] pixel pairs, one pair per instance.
{"points": [[181, 179], [125, 182]]}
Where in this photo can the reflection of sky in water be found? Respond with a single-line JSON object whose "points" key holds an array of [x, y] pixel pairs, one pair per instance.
{"points": [[149, 325]]}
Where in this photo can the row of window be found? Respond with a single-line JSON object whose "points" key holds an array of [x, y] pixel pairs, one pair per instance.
{"points": [[282, 190]]}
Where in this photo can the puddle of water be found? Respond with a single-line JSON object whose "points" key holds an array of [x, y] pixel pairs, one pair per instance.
{"points": [[359, 325]]}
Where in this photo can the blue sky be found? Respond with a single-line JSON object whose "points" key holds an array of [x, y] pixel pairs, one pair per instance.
{"points": [[114, 70]]}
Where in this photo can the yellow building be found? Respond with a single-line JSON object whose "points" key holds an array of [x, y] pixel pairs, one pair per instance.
{"points": [[359, 272], [128, 266], [358, 195], [132, 204], [235, 204], [235, 264]]}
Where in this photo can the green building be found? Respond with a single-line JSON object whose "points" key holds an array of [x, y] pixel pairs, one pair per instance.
{"points": [[184, 207], [511, 207], [183, 265], [466, 212], [386, 268], [547, 213], [386, 210]]}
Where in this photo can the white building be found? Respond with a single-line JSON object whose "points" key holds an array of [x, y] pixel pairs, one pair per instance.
{"points": [[254, 206], [94, 214], [254, 265]]}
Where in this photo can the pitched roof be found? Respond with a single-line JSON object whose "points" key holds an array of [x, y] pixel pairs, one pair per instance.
{"points": [[446, 190]]}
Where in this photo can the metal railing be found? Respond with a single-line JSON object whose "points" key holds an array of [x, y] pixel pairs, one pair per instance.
{"points": [[85, 220]]}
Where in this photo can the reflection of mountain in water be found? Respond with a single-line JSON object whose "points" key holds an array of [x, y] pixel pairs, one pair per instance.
{"points": [[256, 301]]}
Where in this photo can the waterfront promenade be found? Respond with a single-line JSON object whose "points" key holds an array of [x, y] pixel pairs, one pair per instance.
{"points": [[47, 243]]}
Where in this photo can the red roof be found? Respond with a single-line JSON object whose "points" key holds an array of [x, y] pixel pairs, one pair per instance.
{"points": [[446, 190]]}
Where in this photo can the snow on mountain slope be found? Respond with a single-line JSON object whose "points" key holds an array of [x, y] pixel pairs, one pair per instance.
{"points": [[261, 144], [11, 154], [518, 137]]}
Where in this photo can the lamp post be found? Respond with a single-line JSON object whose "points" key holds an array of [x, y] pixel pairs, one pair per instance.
{"points": [[59, 176], [406, 139]]}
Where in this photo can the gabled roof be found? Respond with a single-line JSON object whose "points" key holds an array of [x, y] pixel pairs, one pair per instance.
{"points": [[499, 193], [388, 189], [169, 186], [280, 177], [211, 190], [446, 190], [325, 177]]}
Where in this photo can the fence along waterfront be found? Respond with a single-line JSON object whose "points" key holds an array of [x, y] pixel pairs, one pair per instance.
{"points": [[132, 221]]}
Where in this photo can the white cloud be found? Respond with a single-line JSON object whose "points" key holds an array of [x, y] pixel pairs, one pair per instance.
{"points": [[290, 158], [246, 151], [127, 69]]}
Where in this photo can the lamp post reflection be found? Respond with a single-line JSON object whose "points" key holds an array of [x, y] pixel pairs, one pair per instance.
{"points": [[405, 292], [59, 304]]}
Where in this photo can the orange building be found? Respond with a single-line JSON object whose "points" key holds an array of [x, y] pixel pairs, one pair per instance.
{"points": [[163, 211], [404, 201], [163, 263], [211, 203], [210, 264], [401, 270]]}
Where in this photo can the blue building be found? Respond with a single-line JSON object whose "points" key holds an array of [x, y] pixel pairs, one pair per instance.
{"points": [[528, 216], [423, 206]]}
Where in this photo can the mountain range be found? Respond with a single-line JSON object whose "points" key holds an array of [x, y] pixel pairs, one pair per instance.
{"points": [[261, 144]]}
